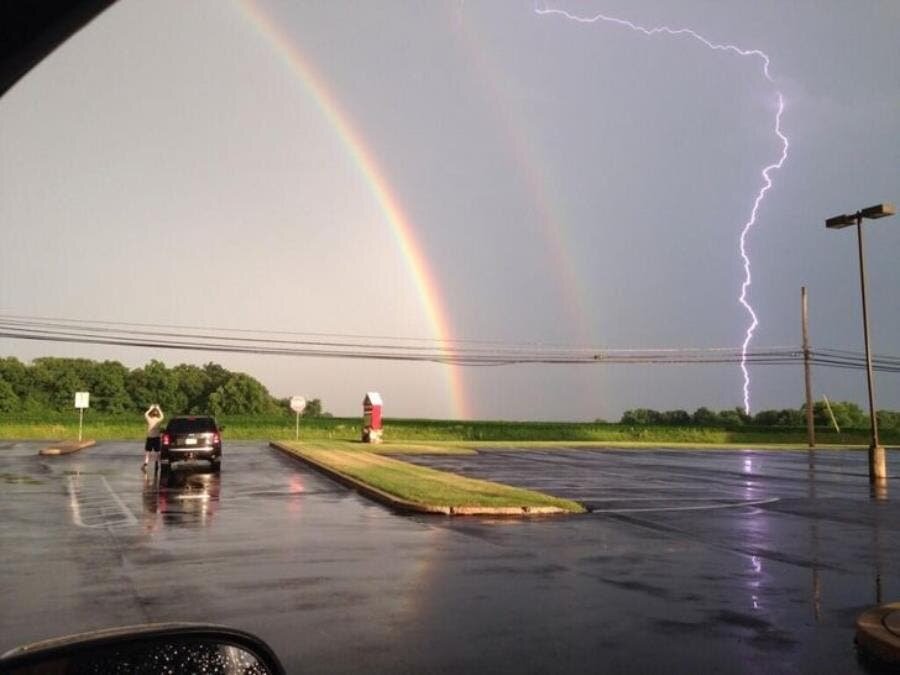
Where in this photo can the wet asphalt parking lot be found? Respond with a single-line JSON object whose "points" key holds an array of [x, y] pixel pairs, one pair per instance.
{"points": [[691, 561]]}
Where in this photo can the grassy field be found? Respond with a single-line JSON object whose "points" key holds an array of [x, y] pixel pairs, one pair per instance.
{"points": [[421, 485], [439, 435]]}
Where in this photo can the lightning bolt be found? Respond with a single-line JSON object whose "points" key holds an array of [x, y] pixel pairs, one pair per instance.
{"points": [[766, 171], [748, 279]]}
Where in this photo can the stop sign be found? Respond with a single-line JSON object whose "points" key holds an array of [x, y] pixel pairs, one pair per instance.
{"points": [[298, 404]]}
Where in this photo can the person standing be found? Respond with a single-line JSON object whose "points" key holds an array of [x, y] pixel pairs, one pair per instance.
{"points": [[154, 417]]}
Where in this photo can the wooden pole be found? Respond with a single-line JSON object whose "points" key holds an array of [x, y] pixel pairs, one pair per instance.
{"points": [[810, 427]]}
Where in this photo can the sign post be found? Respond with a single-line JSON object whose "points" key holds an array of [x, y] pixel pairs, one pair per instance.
{"points": [[298, 405], [82, 401]]}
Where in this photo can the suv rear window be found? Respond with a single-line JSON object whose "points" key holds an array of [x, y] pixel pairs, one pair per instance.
{"points": [[191, 425]]}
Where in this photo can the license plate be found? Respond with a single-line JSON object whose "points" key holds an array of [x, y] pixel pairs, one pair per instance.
{"points": [[190, 441]]}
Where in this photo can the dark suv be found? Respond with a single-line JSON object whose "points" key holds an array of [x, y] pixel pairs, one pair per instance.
{"points": [[191, 437]]}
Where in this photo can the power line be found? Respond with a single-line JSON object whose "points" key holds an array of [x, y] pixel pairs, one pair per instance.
{"points": [[345, 346]]}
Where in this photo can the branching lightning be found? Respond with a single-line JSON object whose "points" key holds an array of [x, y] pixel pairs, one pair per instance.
{"points": [[766, 172]]}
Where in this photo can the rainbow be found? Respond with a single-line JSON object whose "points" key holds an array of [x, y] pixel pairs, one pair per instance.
{"points": [[546, 201], [386, 198]]}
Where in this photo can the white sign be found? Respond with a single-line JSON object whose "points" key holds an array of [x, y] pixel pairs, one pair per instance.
{"points": [[298, 404], [82, 399]]}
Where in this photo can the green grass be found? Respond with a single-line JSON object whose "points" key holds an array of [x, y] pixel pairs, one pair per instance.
{"points": [[422, 485], [405, 435]]}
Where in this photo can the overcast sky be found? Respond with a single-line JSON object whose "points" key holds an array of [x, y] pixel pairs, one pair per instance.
{"points": [[568, 184]]}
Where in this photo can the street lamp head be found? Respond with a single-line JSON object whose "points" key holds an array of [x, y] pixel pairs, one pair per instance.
{"points": [[872, 212], [879, 211], [838, 222]]}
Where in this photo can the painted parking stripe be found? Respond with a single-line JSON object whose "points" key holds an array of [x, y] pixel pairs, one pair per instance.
{"points": [[698, 507], [95, 504]]}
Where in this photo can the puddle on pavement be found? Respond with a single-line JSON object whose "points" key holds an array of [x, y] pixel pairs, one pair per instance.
{"points": [[17, 479], [75, 472]]}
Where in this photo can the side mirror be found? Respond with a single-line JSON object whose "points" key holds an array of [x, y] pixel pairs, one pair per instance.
{"points": [[151, 648]]}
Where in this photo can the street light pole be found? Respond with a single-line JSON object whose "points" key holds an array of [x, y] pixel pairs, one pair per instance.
{"points": [[873, 417], [877, 461]]}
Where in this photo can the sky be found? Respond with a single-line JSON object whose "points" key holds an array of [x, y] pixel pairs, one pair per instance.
{"points": [[462, 170]]}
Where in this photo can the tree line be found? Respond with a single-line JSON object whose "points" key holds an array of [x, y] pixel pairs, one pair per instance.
{"points": [[50, 383], [847, 415]]}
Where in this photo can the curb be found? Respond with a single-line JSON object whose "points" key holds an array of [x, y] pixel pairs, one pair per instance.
{"points": [[404, 506], [66, 447], [878, 633]]}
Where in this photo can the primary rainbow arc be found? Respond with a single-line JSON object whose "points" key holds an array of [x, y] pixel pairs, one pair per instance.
{"points": [[387, 199]]}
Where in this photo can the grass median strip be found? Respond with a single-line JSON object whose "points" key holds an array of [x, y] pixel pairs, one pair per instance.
{"points": [[417, 485]]}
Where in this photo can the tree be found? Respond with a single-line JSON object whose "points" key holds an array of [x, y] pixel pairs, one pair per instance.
{"points": [[640, 416], [736, 417], [313, 408], [704, 417], [9, 400], [16, 375], [787, 417], [194, 383], [241, 395], [675, 418], [50, 383], [888, 420], [56, 380], [154, 383], [108, 389], [847, 414], [217, 375]]}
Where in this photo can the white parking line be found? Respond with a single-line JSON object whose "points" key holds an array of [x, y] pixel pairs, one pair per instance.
{"points": [[699, 507], [95, 504]]}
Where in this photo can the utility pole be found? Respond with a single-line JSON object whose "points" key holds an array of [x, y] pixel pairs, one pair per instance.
{"points": [[810, 428]]}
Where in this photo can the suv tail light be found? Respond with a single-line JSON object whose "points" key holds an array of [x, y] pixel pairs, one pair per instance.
{"points": [[165, 439], [215, 438]]}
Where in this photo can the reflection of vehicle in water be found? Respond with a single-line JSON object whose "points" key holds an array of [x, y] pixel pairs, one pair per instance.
{"points": [[188, 438], [186, 495]]}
